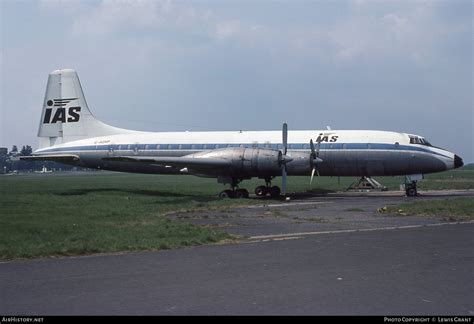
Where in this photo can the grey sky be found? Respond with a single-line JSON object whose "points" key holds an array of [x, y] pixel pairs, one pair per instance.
{"points": [[226, 65]]}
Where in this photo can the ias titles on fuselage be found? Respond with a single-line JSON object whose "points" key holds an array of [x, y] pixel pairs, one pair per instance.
{"points": [[326, 138]]}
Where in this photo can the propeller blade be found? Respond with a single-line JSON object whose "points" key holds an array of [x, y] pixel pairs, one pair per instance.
{"points": [[283, 180], [314, 157], [317, 148], [285, 138]]}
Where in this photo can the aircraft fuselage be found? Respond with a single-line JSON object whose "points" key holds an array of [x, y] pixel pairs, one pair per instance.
{"points": [[343, 152]]}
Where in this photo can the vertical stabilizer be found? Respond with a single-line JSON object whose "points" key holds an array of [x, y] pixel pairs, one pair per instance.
{"points": [[66, 116]]}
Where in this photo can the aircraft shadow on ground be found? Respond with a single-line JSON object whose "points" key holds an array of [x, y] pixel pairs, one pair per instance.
{"points": [[143, 192], [204, 198]]}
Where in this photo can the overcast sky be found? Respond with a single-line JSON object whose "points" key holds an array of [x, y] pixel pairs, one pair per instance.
{"points": [[227, 65]]}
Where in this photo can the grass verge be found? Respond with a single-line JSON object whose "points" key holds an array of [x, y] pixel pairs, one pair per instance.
{"points": [[455, 209], [82, 214]]}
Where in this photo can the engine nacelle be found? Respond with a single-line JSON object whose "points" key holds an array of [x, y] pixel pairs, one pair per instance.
{"points": [[300, 165], [245, 162]]}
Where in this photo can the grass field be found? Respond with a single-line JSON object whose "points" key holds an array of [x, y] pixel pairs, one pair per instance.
{"points": [[78, 213], [457, 209]]}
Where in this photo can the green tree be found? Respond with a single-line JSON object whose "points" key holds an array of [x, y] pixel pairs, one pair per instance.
{"points": [[26, 150]]}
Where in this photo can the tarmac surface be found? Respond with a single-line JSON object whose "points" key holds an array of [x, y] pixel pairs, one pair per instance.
{"points": [[332, 255]]}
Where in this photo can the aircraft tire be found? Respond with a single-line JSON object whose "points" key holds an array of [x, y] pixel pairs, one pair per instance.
{"points": [[226, 194], [411, 192], [261, 191]]}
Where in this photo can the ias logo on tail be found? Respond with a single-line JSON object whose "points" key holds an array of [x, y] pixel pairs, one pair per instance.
{"points": [[61, 113]]}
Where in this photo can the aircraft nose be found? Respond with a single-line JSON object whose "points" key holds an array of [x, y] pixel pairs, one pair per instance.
{"points": [[458, 162]]}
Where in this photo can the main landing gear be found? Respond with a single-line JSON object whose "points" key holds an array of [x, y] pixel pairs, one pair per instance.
{"points": [[235, 192], [268, 189], [260, 191]]}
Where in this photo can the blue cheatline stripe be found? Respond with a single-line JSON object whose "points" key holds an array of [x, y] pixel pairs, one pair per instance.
{"points": [[193, 147]]}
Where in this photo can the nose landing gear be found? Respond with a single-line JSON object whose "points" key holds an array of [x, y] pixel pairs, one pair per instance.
{"points": [[410, 189], [410, 184]]}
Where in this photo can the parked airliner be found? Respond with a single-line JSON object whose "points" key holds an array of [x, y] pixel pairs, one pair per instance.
{"points": [[70, 134]]}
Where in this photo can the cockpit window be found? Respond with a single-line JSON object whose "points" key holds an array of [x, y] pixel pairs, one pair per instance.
{"points": [[419, 140]]}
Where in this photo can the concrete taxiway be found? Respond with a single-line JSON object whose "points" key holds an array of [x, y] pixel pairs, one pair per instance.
{"points": [[317, 255]]}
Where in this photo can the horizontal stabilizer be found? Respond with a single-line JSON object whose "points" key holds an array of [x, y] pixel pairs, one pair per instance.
{"points": [[173, 161], [62, 158]]}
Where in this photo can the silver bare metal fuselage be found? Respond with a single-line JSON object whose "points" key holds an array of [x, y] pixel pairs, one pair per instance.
{"points": [[337, 161]]}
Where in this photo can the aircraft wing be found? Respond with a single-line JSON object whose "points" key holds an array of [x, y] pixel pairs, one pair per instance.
{"points": [[62, 158], [179, 162]]}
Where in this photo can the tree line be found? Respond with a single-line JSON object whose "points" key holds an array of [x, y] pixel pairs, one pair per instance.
{"points": [[10, 161]]}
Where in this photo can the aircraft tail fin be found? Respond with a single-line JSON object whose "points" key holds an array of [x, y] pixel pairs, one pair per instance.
{"points": [[66, 116]]}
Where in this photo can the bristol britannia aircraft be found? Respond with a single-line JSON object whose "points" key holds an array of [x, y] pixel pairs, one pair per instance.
{"points": [[70, 134]]}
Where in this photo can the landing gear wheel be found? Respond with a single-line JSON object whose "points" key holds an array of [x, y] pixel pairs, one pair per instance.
{"points": [[275, 192], [261, 191], [411, 192], [241, 193], [410, 189], [227, 194]]}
